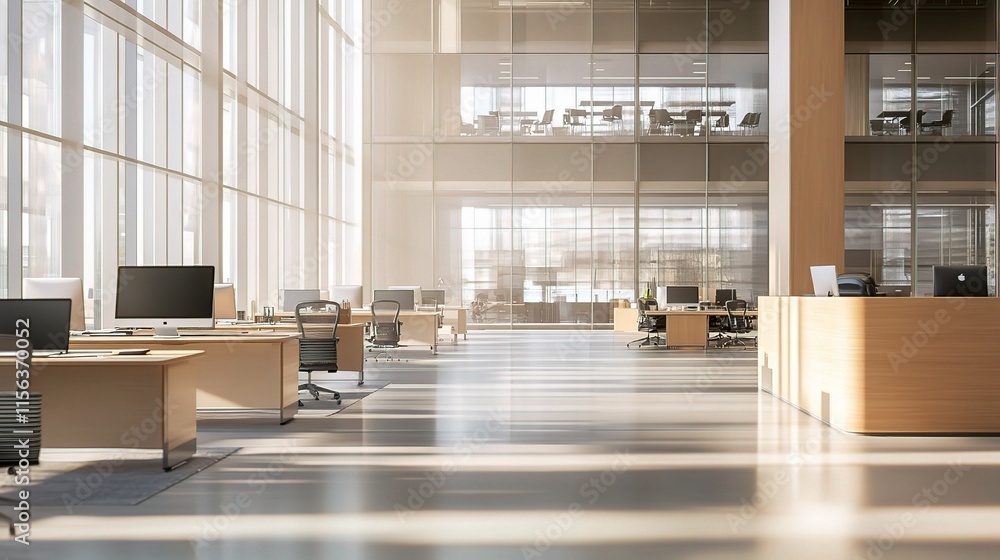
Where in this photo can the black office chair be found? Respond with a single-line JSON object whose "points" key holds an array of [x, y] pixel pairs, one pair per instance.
{"points": [[738, 322], [317, 322], [653, 325], [905, 124], [943, 123], [385, 328], [29, 418]]}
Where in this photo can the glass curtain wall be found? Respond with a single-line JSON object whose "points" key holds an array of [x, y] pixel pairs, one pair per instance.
{"points": [[920, 158], [542, 160], [108, 133]]}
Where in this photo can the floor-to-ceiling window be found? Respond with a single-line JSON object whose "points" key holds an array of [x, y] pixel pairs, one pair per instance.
{"points": [[545, 159], [921, 152], [180, 132]]}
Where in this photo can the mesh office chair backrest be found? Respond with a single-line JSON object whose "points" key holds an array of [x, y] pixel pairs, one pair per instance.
{"points": [[385, 323], [317, 321], [736, 309]]}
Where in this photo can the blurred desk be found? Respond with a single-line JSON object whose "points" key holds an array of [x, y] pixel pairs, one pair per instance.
{"points": [[689, 328], [99, 401]]}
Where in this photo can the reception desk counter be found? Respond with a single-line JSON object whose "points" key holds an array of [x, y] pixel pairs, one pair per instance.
{"points": [[885, 365]]}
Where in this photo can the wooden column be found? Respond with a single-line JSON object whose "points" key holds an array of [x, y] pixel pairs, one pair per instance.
{"points": [[806, 123]]}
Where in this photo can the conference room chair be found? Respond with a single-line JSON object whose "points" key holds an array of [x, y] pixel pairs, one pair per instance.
{"points": [[905, 124], [652, 325], [545, 123], [941, 124], [694, 119], [660, 120], [746, 124], [738, 323], [9, 455], [317, 322], [613, 117], [878, 127], [722, 123], [385, 328], [573, 119]]}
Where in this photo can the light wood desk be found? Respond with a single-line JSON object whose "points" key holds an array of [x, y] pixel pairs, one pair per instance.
{"points": [[350, 348], [457, 318], [873, 365], [237, 371], [139, 402], [689, 328]]}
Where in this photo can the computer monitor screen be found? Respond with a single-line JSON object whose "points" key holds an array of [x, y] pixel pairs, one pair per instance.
{"points": [[165, 297], [59, 288], [403, 297], [417, 295], [352, 294], [291, 298], [824, 280], [225, 301], [722, 296], [432, 297], [46, 321], [682, 295], [960, 281]]}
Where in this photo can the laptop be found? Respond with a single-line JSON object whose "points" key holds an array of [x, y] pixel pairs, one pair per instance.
{"points": [[44, 321]]}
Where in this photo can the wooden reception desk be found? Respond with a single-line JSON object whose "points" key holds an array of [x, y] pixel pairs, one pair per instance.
{"points": [[885, 365]]}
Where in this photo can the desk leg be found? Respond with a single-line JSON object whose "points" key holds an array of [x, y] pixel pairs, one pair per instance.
{"points": [[180, 430]]}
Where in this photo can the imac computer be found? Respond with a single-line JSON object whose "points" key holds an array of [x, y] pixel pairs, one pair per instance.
{"points": [[225, 302], [432, 297], [59, 288], [824, 280], [417, 296], [961, 281], [352, 294], [291, 298], [165, 298], [403, 297], [681, 295], [722, 296]]}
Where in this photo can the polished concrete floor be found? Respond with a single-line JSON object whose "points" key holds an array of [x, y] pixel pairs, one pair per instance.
{"points": [[556, 445]]}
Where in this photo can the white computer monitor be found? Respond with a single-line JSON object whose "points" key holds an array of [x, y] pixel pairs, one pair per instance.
{"points": [[403, 297], [417, 295], [60, 288], [353, 294], [824, 280], [165, 298], [225, 302], [291, 298]]}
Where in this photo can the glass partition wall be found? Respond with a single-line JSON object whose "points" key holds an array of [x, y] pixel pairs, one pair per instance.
{"points": [[542, 160], [920, 158]]}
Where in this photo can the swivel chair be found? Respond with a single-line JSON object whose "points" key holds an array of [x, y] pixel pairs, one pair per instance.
{"points": [[652, 325], [738, 322], [385, 328], [317, 322]]}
